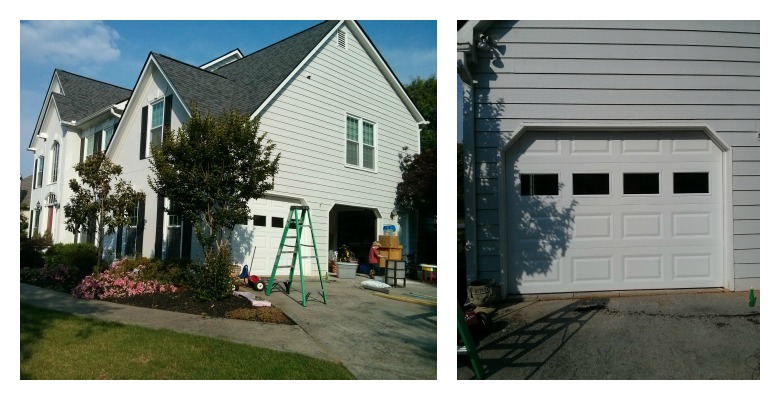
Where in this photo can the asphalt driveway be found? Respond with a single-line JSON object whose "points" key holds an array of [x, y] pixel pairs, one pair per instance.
{"points": [[675, 335]]}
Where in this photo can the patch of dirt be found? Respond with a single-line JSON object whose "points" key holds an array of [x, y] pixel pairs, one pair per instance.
{"points": [[233, 307]]}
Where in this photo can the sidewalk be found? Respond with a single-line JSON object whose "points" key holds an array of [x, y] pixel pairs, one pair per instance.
{"points": [[374, 337]]}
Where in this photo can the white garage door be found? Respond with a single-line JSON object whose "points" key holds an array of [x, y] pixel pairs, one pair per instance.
{"points": [[589, 211], [262, 235]]}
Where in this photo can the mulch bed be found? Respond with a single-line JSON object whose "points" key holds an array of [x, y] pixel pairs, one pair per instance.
{"points": [[234, 307]]}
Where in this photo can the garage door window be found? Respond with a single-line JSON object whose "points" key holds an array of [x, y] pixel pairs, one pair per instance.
{"points": [[538, 184], [590, 184], [277, 222], [691, 182], [258, 220], [641, 183]]}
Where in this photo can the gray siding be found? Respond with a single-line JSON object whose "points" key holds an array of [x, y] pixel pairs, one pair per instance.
{"points": [[609, 72]]}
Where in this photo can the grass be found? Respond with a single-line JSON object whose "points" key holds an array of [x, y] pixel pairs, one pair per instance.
{"points": [[56, 345]]}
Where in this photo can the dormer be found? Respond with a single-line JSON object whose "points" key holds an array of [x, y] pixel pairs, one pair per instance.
{"points": [[221, 61]]}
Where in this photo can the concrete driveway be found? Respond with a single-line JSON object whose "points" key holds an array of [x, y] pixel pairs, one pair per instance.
{"points": [[374, 337], [705, 334]]}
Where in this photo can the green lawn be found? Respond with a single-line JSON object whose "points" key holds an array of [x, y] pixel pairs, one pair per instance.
{"points": [[56, 345]]}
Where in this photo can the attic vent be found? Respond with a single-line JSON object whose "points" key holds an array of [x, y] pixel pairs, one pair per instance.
{"points": [[342, 40]]}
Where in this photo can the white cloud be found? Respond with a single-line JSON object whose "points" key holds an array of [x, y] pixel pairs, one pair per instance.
{"points": [[68, 42]]}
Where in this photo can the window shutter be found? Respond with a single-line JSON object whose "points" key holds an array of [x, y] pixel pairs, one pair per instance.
{"points": [[97, 144], [139, 236], [35, 176], [158, 228], [118, 242], [81, 152], [186, 239], [167, 113], [144, 115]]}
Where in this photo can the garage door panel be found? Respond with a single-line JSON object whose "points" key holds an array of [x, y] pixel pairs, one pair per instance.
{"points": [[617, 241]]}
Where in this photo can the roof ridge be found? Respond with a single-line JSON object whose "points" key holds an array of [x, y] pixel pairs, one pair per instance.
{"points": [[189, 65], [282, 40], [91, 79]]}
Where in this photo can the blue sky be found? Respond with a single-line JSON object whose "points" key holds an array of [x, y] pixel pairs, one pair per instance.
{"points": [[114, 52]]}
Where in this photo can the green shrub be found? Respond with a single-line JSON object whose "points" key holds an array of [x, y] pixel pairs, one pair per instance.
{"points": [[176, 272], [30, 251], [212, 280], [81, 256]]}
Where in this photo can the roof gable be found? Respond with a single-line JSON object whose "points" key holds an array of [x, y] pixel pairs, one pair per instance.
{"points": [[82, 97]]}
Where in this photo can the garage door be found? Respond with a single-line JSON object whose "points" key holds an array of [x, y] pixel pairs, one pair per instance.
{"points": [[260, 239], [590, 211]]}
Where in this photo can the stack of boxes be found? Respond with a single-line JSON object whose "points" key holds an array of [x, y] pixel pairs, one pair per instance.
{"points": [[389, 249]]}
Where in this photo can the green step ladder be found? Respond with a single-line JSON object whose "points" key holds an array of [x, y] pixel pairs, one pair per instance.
{"points": [[468, 343], [297, 219]]}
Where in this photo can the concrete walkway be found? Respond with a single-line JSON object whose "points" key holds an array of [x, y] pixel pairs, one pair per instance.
{"points": [[372, 336], [700, 334]]}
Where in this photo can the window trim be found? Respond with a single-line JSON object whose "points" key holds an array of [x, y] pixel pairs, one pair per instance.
{"points": [[361, 143]]}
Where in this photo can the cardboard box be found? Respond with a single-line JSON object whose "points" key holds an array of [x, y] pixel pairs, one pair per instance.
{"points": [[388, 241]]}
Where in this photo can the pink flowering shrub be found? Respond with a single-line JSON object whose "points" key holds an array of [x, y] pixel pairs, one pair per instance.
{"points": [[116, 282]]}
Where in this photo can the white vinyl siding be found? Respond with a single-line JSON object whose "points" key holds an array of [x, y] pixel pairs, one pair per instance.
{"points": [[619, 72]]}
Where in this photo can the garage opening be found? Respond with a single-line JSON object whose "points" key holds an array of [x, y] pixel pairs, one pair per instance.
{"points": [[355, 227]]}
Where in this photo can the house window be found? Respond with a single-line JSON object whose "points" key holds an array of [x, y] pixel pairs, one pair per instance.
{"points": [[538, 184], [593, 184], [55, 154], [173, 249], [156, 123], [39, 172], [361, 143], [131, 232], [691, 182], [108, 133], [641, 183]]}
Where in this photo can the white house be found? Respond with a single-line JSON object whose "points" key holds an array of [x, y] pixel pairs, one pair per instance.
{"points": [[611, 155], [78, 117], [335, 110]]}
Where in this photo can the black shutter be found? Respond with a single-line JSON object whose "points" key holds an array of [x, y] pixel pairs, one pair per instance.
{"points": [[35, 176], [97, 144], [144, 114], [186, 239], [119, 242], [139, 237], [158, 229], [167, 113], [81, 152]]}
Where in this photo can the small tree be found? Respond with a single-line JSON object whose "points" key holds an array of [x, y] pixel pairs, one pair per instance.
{"points": [[423, 94], [210, 168], [100, 203]]}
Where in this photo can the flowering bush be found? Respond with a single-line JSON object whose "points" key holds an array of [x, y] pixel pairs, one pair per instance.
{"points": [[56, 276], [117, 282]]}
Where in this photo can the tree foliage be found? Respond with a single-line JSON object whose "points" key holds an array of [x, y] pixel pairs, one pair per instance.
{"points": [[210, 168], [417, 191], [423, 94], [101, 201]]}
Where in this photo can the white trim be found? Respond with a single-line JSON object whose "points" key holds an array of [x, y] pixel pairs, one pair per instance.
{"points": [[728, 237], [359, 165], [235, 54]]}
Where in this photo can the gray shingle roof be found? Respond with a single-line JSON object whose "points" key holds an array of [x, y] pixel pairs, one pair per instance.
{"points": [[82, 97], [25, 188], [246, 83]]}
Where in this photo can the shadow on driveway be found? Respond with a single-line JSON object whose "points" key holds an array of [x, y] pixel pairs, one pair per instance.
{"points": [[527, 348]]}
